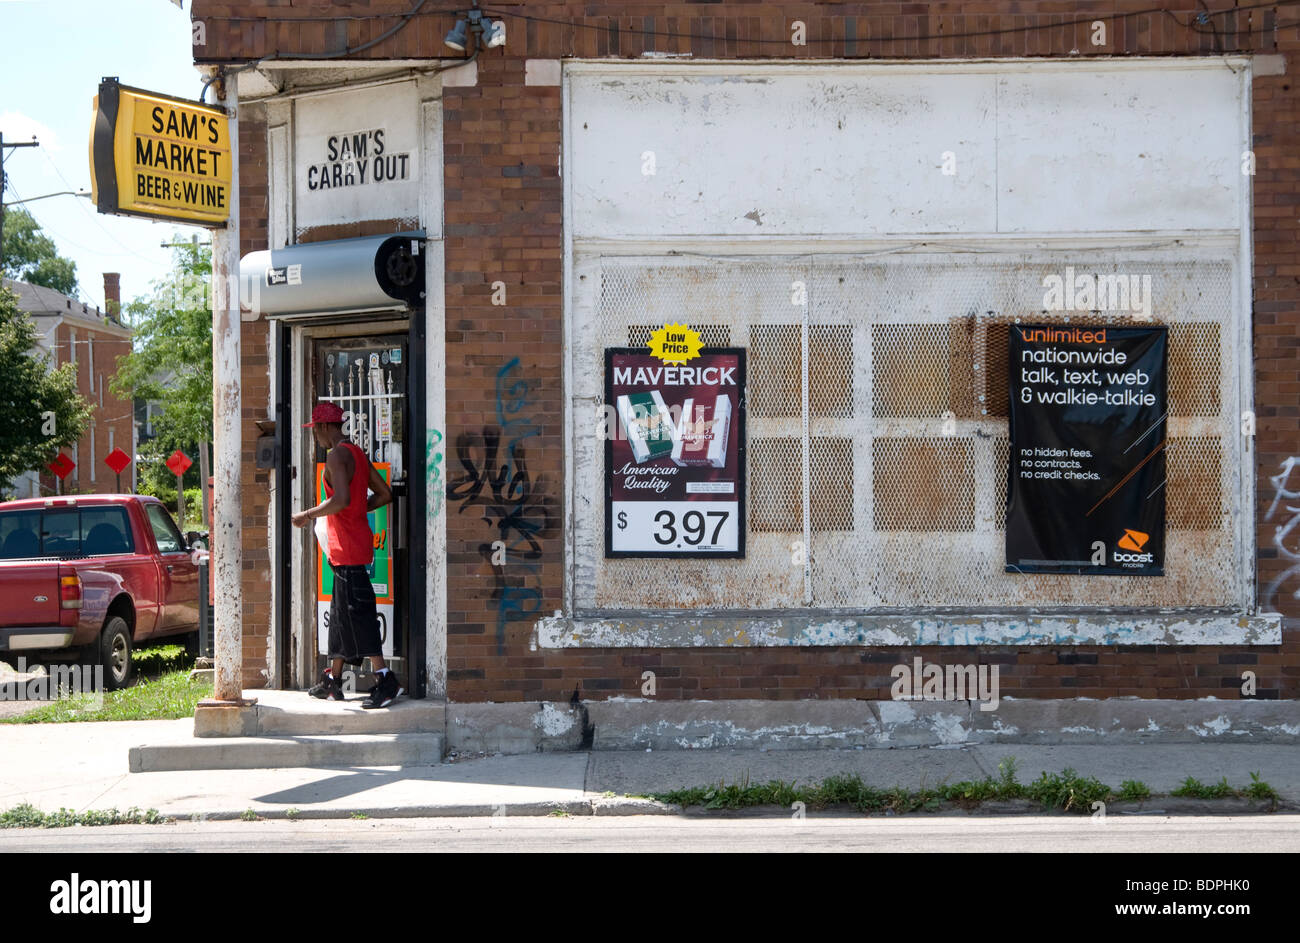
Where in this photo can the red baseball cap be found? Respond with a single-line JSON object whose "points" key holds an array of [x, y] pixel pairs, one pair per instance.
{"points": [[325, 412]]}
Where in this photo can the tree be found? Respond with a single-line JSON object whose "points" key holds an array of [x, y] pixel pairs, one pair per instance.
{"points": [[42, 410], [30, 255], [171, 364]]}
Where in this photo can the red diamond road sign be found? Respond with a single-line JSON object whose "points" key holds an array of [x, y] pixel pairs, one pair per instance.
{"points": [[62, 466], [117, 460], [179, 462]]}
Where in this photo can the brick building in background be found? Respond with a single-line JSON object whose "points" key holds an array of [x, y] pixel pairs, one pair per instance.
{"points": [[71, 331], [603, 174]]}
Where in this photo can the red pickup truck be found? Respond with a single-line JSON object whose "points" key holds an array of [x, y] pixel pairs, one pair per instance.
{"points": [[94, 576]]}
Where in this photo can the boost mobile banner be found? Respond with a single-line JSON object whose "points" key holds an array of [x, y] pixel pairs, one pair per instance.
{"points": [[674, 470], [1086, 476]]}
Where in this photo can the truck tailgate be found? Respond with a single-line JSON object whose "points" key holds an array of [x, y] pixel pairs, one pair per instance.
{"points": [[29, 592]]}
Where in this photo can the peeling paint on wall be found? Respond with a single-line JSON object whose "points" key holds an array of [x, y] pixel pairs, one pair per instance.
{"points": [[727, 631]]}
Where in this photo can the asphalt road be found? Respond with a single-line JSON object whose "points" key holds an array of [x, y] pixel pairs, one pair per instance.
{"points": [[907, 834]]}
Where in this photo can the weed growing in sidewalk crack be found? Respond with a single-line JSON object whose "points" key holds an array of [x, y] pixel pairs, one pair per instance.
{"points": [[1066, 791], [1258, 789], [28, 816], [1193, 788], [1134, 790]]}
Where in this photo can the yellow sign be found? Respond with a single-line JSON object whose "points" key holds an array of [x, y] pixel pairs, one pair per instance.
{"points": [[159, 157], [675, 343]]}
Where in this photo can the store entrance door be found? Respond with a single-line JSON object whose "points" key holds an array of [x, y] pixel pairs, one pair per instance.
{"points": [[367, 378]]}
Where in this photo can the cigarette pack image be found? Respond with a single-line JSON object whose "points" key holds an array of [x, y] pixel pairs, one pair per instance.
{"points": [[649, 425], [703, 433]]}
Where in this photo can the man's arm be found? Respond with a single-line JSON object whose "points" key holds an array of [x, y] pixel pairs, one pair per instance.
{"points": [[336, 468], [382, 493]]}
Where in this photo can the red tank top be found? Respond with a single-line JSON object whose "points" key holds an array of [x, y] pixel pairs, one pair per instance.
{"points": [[351, 542]]}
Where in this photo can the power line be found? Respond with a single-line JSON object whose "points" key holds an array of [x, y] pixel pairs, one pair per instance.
{"points": [[1194, 18], [94, 217]]}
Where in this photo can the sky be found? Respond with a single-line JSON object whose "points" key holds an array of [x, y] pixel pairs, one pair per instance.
{"points": [[54, 54]]}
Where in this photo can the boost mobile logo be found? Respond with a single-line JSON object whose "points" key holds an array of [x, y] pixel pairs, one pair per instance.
{"points": [[1133, 540]]}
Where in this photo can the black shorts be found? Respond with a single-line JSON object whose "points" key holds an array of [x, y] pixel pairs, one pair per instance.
{"points": [[354, 619]]}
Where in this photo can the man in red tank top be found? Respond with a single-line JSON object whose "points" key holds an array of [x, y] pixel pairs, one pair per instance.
{"points": [[353, 488]]}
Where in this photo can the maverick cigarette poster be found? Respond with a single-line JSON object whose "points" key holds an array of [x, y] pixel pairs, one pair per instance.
{"points": [[1086, 476], [674, 454]]}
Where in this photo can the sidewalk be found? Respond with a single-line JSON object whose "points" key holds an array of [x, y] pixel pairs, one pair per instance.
{"points": [[84, 766]]}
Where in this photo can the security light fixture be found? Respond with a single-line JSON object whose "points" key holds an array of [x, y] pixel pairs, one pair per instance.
{"points": [[487, 33], [457, 37], [494, 34]]}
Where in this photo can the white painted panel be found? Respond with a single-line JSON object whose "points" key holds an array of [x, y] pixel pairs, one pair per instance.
{"points": [[381, 182], [781, 152], [793, 150], [281, 205], [1084, 151]]}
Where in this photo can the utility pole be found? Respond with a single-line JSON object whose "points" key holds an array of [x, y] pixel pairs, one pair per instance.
{"points": [[226, 535], [3, 183]]}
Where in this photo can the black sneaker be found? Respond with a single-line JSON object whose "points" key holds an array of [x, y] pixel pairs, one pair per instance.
{"points": [[386, 690], [327, 688]]}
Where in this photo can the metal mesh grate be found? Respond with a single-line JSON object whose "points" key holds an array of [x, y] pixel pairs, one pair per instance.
{"points": [[711, 335], [1195, 483], [1194, 369], [830, 370], [776, 485], [775, 370], [1001, 468], [830, 462], [924, 484], [910, 362], [906, 504]]}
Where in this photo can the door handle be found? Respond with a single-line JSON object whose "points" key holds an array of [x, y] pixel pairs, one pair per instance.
{"points": [[170, 567]]}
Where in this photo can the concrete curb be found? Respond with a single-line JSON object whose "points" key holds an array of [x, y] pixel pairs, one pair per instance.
{"points": [[603, 806]]}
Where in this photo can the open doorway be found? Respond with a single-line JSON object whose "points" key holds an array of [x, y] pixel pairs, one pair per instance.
{"points": [[367, 377]]}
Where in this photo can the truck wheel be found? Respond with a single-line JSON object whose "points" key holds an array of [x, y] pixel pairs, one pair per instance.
{"points": [[115, 654]]}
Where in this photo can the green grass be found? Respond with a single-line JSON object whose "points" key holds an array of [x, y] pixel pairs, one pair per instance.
{"points": [[159, 659], [1066, 791], [170, 696], [28, 816]]}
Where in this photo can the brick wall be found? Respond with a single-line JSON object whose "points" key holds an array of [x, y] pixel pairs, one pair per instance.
{"points": [[503, 223]]}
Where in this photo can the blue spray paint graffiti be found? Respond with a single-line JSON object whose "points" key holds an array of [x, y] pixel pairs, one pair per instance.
{"points": [[433, 471], [514, 505]]}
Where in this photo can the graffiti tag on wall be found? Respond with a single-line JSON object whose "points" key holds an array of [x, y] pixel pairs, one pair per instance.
{"points": [[496, 479], [1283, 532]]}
